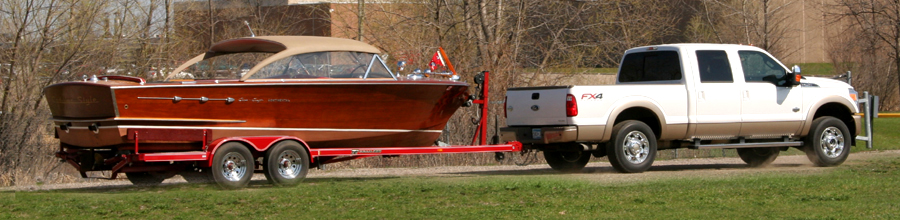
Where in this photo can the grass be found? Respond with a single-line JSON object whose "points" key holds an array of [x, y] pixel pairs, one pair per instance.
{"points": [[816, 69], [862, 190], [887, 135]]}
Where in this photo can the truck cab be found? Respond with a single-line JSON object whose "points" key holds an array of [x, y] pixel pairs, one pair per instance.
{"points": [[687, 95]]}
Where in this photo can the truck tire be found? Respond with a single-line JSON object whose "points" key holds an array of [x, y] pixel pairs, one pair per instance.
{"points": [[633, 147], [145, 178], [286, 163], [758, 157], [828, 142], [233, 166], [567, 161]]}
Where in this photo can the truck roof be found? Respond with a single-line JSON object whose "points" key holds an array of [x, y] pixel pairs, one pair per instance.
{"points": [[695, 46]]}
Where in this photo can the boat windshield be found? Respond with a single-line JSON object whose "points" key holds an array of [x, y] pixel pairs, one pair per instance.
{"points": [[231, 66], [329, 64]]}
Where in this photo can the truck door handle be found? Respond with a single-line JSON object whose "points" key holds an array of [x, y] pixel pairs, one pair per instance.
{"points": [[796, 109]]}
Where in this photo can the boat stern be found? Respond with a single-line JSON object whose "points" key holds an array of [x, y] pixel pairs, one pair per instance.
{"points": [[83, 112]]}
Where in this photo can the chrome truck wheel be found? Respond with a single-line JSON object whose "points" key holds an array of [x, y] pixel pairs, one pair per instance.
{"points": [[233, 166], [633, 147], [286, 163], [828, 142]]}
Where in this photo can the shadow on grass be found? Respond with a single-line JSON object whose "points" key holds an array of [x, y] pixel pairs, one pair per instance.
{"points": [[610, 170], [254, 184]]}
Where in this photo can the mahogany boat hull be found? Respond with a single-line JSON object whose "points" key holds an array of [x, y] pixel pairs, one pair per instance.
{"points": [[324, 113]]}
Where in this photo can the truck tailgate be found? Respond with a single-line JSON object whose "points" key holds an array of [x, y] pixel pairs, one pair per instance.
{"points": [[536, 106]]}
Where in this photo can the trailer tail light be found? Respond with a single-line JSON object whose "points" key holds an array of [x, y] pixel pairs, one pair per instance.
{"points": [[571, 106], [504, 106]]}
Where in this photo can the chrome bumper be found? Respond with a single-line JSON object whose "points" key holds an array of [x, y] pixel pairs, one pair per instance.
{"points": [[546, 135]]}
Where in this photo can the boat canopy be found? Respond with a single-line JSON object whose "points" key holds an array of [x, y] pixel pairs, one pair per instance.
{"points": [[281, 46]]}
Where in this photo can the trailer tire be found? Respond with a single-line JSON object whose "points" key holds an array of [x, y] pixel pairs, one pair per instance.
{"points": [[567, 161], [633, 147], [758, 157], [145, 178], [828, 142], [286, 163], [233, 166]]}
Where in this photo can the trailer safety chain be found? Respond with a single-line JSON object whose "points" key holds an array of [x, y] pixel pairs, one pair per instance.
{"points": [[525, 157]]}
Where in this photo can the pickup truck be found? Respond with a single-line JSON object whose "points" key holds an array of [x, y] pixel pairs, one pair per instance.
{"points": [[698, 96]]}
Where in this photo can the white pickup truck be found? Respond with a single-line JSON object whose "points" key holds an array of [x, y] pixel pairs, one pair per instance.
{"points": [[687, 95]]}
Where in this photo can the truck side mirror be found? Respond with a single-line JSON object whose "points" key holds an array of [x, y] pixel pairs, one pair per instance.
{"points": [[793, 79]]}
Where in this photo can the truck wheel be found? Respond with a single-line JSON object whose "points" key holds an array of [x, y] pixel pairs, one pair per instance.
{"points": [[828, 143], [633, 148], [233, 166], [145, 178], [286, 164], [758, 157], [567, 161]]}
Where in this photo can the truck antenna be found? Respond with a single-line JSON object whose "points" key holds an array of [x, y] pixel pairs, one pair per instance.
{"points": [[251, 29]]}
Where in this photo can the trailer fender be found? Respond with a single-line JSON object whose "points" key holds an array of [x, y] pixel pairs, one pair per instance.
{"points": [[258, 143]]}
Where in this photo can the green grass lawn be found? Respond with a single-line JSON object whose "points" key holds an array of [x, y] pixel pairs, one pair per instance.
{"points": [[887, 135], [815, 69], [866, 189], [852, 191]]}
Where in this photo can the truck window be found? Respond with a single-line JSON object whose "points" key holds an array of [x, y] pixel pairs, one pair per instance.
{"points": [[759, 67], [655, 66], [714, 66]]}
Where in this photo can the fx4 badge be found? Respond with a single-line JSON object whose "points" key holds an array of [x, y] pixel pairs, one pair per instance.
{"points": [[590, 96]]}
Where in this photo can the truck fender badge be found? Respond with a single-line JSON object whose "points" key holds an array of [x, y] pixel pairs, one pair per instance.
{"points": [[535, 108], [590, 96]]}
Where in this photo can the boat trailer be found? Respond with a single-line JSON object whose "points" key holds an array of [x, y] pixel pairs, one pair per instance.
{"points": [[135, 161]]}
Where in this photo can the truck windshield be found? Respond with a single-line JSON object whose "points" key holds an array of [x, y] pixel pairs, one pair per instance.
{"points": [[653, 67]]}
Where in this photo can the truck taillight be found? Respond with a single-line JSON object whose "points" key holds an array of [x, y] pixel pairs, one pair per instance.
{"points": [[571, 106]]}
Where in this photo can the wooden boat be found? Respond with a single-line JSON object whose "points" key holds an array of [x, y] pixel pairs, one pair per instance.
{"points": [[328, 92]]}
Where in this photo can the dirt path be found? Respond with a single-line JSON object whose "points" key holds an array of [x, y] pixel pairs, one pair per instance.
{"points": [[602, 172]]}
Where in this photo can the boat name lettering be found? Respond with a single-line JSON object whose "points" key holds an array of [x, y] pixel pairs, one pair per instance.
{"points": [[242, 99], [87, 100], [279, 100], [365, 151], [256, 100]]}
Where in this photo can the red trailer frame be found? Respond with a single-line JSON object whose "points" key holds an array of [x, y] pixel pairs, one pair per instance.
{"points": [[150, 162]]}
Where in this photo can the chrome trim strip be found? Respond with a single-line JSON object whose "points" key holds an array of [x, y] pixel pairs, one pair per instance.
{"points": [[748, 145], [289, 83], [150, 119], [280, 129], [82, 120]]}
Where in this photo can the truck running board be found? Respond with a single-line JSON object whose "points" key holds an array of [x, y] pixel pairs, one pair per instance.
{"points": [[697, 145]]}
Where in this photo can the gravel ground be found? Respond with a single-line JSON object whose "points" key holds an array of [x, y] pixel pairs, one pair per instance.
{"points": [[602, 172]]}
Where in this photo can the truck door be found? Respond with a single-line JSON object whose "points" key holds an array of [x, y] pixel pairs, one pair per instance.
{"points": [[718, 101], [769, 109]]}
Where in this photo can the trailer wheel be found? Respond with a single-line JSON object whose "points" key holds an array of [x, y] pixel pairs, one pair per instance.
{"points": [[233, 166], [567, 161], [286, 163], [758, 157], [633, 148], [828, 143], [145, 178]]}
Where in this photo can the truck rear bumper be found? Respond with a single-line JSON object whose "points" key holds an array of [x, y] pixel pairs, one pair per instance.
{"points": [[539, 135]]}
